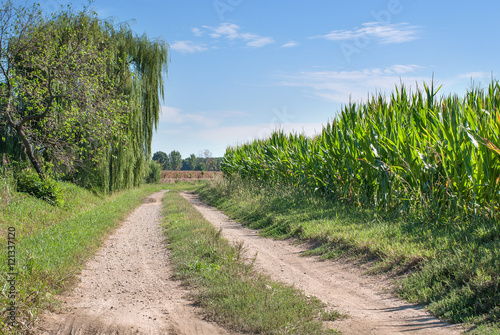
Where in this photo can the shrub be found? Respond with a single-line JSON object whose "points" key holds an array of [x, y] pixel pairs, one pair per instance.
{"points": [[154, 172], [28, 181]]}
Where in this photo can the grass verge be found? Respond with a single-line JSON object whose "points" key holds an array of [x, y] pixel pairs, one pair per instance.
{"points": [[452, 268], [52, 244], [229, 290]]}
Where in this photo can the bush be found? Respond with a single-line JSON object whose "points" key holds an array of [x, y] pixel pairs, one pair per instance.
{"points": [[154, 173], [28, 181]]}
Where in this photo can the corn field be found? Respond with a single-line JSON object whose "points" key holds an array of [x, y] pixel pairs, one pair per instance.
{"points": [[414, 151]]}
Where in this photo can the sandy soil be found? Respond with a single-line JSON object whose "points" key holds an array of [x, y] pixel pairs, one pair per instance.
{"points": [[343, 286], [127, 288]]}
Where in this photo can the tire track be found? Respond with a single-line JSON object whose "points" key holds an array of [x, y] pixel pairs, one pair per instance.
{"points": [[371, 308], [127, 287]]}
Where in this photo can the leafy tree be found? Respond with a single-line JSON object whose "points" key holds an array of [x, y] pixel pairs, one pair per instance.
{"points": [[142, 82], [175, 159], [162, 158], [55, 93], [79, 94], [140, 75], [185, 165], [210, 163], [192, 161], [154, 172], [201, 166]]}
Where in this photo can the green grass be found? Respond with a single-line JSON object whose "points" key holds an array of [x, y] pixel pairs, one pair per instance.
{"points": [[452, 267], [53, 243], [29, 214], [229, 290]]}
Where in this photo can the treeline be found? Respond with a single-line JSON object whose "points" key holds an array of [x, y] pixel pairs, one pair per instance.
{"points": [[79, 96], [174, 161]]}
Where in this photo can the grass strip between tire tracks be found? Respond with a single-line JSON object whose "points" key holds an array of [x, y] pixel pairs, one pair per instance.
{"points": [[229, 290]]}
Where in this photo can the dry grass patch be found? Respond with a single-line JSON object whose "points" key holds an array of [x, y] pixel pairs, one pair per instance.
{"points": [[169, 176]]}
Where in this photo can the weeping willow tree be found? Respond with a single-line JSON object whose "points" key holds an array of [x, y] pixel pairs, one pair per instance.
{"points": [[139, 67], [141, 72], [79, 96]]}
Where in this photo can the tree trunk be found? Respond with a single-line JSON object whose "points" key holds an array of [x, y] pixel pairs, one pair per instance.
{"points": [[29, 152]]}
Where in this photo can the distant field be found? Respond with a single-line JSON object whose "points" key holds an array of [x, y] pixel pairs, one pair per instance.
{"points": [[168, 176]]}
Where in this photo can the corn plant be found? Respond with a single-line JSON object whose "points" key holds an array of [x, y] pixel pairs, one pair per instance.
{"points": [[413, 151]]}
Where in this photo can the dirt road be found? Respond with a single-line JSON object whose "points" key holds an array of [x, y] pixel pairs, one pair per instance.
{"points": [[126, 288], [371, 309]]}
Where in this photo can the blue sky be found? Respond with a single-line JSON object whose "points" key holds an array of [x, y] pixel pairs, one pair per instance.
{"points": [[241, 68]]}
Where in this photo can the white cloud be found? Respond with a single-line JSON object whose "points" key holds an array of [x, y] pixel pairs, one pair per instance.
{"points": [[174, 115], [401, 69], [239, 134], [230, 113], [257, 43], [476, 75], [463, 82], [228, 30], [290, 44], [231, 31], [170, 114], [197, 32], [383, 33], [188, 46], [342, 86], [208, 119]]}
